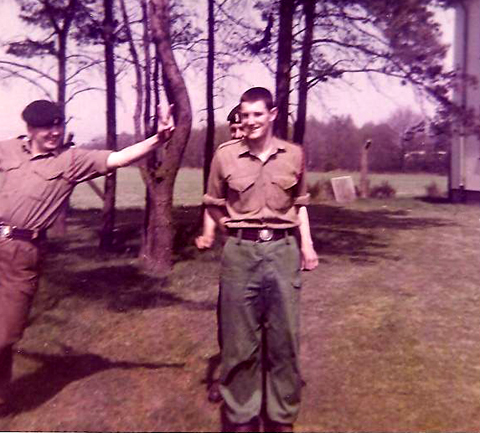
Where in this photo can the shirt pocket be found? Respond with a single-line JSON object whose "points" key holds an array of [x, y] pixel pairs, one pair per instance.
{"points": [[281, 194], [45, 182], [242, 196], [9, 180]]}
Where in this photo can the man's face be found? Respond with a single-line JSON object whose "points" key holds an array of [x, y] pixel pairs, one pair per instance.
{"points": [[257, 119], [236, 131], [46, 138]]}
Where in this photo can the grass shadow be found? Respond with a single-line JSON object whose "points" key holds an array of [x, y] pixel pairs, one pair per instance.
{"points": [[58, 371], [342, 231], [122, 288]]}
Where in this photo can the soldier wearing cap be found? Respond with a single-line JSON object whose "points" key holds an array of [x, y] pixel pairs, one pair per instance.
{"points": [[235, 123], [37, 175], [257, 193], [206, 239]]}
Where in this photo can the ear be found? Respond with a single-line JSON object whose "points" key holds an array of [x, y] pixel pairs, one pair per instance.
{"points": [[273, 114], [29, 132]]}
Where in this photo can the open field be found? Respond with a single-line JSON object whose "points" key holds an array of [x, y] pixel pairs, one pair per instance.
{"points": [[390, 327], [189, 187]]}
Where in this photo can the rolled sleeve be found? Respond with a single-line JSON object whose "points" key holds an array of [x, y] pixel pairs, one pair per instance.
{"points": [[88, 164], [209, 200], [302, 196], [303, 200], [216, 195]]}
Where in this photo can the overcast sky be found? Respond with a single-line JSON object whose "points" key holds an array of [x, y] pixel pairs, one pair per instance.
{"points": [[364, 101]]}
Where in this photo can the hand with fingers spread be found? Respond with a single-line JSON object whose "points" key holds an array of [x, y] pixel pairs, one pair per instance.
{"points": [[166, 125]]}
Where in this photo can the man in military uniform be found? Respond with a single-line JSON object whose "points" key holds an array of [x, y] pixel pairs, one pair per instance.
{"points": [[257, 192], [206, 239], [37, 175]]}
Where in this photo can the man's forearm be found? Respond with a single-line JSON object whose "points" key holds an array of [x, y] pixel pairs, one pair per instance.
{"points": [[309, 256], [219, 215], [304, 227], [132, 153]]}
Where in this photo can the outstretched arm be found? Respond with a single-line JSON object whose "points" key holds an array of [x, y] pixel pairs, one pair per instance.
{"points": [[138, 150]]}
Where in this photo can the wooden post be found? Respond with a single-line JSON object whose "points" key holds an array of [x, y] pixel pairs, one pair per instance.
{"points": [[364, 183]]}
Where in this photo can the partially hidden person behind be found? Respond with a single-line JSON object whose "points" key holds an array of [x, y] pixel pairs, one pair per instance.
{"points": [[37, 175], [207, 238], [257, 192]]}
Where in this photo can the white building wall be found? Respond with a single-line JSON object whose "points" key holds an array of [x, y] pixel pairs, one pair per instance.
{"points": [[465, 163]]}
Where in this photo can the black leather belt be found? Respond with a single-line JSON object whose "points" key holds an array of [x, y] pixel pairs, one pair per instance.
{"points": [[261, 234], [12, 232]]}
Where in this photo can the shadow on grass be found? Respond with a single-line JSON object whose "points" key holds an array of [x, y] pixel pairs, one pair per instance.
{"points": [[340, 231], [122, 288], [360, 235], [57, 371], [128, 232]]}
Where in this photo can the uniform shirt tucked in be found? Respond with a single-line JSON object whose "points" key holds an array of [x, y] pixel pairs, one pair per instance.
{"points": [[33, 188], [256, 193]]}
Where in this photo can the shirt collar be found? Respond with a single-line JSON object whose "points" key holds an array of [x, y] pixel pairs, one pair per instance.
{"points": [[27, 148], [277, 145]]}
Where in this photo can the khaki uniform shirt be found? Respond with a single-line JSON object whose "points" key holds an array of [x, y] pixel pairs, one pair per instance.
{"points": [[33, 188], [256, 193]]}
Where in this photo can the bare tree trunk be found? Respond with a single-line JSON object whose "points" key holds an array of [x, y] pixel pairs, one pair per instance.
{"points": [[59, 228], [158, 237], [148, 68], [210, 137], [284, 62], [137, 115], [309, 14], [106, 234]]}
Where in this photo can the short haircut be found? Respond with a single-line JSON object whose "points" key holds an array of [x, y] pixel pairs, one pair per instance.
{"points": [[258, 94]]}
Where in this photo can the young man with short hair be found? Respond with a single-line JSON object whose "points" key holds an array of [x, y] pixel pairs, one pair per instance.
{"points": [[257, 192]]}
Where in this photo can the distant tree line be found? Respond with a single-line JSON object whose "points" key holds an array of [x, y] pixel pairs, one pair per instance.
{"points": [[336, 144], [402, 143]]}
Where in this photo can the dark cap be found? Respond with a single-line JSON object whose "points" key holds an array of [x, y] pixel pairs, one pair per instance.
{"points": [[42, 113], [234, 116]]}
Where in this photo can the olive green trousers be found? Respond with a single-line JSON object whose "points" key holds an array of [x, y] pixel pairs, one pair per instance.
{"points": [[259, 323]]}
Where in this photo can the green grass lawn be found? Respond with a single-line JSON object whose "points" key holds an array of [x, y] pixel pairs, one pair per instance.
{"points": [[390, 325], [189, 187]]}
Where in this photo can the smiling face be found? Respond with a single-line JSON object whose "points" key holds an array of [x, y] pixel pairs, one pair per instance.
{"points": [[257, 120], [45, 138]]}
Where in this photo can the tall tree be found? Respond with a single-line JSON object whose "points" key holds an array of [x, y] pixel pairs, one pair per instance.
{"points": [[398, 39], [106, 235], [158, 235], [284, 65], [59, 22], [137, 65], [210, 137], [309, 18]]}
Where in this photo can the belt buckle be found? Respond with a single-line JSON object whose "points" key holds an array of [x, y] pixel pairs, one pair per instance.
{"points": [[6, 231], [265, 235]]}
